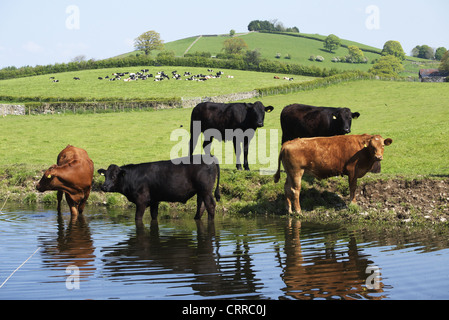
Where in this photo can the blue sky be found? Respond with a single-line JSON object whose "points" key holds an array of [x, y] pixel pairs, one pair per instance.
{"points": [[50, 31]]}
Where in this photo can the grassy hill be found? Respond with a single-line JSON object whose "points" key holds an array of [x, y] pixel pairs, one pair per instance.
{"points": [[269, 45], [299, 49]]}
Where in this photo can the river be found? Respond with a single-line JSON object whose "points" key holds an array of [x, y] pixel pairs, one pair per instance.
{"points": [[105, 255]]}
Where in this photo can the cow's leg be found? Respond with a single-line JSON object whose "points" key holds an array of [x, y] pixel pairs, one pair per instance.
{"points": [[73, 205], [210, 205], [59, 196], [352, 188], [288, 194], [200, 207], [83, 202], [296, 189], [193, 141], [207, 145], [140, 210], [245, 153], [154, 210], [238, 151]]}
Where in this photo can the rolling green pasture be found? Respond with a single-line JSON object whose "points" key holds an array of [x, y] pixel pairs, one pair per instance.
{"points": [[414, 115], [90, 87], [300, 49]]}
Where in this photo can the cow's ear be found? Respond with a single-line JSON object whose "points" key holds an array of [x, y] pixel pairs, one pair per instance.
{"points": [[269, 109], [355, 115], [101, 171], [388, 141]]}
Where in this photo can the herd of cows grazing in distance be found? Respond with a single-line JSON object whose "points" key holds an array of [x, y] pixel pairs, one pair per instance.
{"points": [[314, 141], [144, 74]]}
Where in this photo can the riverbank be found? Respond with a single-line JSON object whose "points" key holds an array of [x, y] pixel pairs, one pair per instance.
{"points": [[381, 198]]}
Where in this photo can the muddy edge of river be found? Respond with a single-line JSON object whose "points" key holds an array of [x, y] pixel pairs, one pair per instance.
{"points": [[387, 199]]}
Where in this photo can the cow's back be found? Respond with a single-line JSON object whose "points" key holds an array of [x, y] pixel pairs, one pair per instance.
{"points": [[80, 162], [167, 181], [220, 116], [71, 153], [322, 156], [298, 120]]}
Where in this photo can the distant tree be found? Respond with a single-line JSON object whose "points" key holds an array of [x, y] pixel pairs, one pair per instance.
{"points": [[79, 58], [355, 55], [232, 33], [439, 53], [444, 65], [415, 51], [257, 25], [293, 29], [234, 45], [149, 41], [393, 48], [252, 58], [426, 52], [273, 25], [332, 42], [387, 66]]}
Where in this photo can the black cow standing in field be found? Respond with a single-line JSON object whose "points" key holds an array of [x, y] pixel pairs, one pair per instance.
{"points": [[303, 121], [147, 184], [228, 121]]}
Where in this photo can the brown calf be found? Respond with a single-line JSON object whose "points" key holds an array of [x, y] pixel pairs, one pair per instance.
{"points": [[73, 176], [325, 157]]}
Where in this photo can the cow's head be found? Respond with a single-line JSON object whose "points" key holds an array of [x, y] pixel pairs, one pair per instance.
{"points": [[49, 180], [112, 178], [342, 120], [256, 114], [376, 146]]}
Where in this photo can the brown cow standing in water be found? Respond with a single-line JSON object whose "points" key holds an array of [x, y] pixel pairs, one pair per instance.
{"points": [[73, 176], [325, 157]]}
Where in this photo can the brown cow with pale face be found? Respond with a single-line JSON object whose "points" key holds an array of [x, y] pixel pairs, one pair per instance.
{"points": [[73, 176], [325, 157]]}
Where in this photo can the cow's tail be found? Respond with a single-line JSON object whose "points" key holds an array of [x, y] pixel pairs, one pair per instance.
{"points": [[277, 175], [217, 189]]}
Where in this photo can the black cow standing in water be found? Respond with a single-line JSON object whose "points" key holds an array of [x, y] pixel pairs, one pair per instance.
{"points": [[303, 121], [226, 122], [176, 180]]}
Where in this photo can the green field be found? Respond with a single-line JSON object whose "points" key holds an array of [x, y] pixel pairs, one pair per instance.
{"points": [[91, 88], [414, 115]]}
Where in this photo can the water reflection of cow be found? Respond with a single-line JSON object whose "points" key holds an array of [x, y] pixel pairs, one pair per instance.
{"points": [[150, 253], [328, 273], [69, 246]]}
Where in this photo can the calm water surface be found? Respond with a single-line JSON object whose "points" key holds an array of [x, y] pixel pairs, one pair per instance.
{"points": [[107, 256]]}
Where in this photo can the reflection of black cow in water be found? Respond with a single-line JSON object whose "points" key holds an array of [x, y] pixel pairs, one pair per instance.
{"points": [[326, 274], [153, 253]]}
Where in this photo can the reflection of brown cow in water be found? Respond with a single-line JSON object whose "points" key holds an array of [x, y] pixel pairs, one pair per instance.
{"points": [[331, 270], [326, 157], [73, 176]]}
